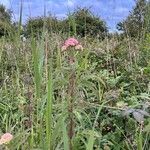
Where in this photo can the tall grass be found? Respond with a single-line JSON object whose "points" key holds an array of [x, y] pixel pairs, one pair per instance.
{"points": [[49, 103], [42, 96]]}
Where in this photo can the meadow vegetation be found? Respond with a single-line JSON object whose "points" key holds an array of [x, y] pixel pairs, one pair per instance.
{"points": [[92, 97]]}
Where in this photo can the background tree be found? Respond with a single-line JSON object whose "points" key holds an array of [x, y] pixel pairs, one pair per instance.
{"points": [[135, 24], [83, 22], [147, 17], [5, 20], [36, 25]]}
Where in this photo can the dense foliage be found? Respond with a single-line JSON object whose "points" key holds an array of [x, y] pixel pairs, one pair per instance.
{"points": [[35, 26], [5, 21], [81, 22], [93, 98], [84, 23], [135, 25]]}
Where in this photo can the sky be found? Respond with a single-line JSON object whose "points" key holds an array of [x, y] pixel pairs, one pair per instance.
{"points": [[112, 11]]}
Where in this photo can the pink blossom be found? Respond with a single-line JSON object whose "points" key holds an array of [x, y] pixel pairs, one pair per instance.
{"points": [[71, 42], [64, 48], [5, 138]]}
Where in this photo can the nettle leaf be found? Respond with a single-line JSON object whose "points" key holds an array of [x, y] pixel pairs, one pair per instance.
{"points": [[139, 117]]}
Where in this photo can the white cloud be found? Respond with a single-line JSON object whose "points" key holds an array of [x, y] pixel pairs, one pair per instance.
{"points": [[5, 3], [70, 3], [52, 4], [122, 10]]}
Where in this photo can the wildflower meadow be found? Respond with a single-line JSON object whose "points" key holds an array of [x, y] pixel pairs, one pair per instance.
{"points": [[71, 84]]}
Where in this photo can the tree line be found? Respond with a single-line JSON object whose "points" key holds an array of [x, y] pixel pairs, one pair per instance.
{"points": [[81, 22]]}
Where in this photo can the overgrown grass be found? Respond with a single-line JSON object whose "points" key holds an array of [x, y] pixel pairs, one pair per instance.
{"points": [[110, 99]]}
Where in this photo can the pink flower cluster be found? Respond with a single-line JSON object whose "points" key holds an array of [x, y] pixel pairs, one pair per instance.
{"points": [[71, 42], [5, 138]]}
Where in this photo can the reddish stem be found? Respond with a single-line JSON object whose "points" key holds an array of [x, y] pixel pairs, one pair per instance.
{"points": [[71, 93]]}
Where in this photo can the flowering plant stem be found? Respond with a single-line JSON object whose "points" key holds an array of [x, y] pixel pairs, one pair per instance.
{"points": [[71, 45], [71, 96]]}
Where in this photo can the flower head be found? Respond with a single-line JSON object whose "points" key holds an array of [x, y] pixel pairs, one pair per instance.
{"points": [[71, 42], [79, 47], [64, 48], [5, 138]]}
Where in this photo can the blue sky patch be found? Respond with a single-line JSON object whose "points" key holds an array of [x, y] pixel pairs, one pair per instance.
{"points": [[112, 11]]}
